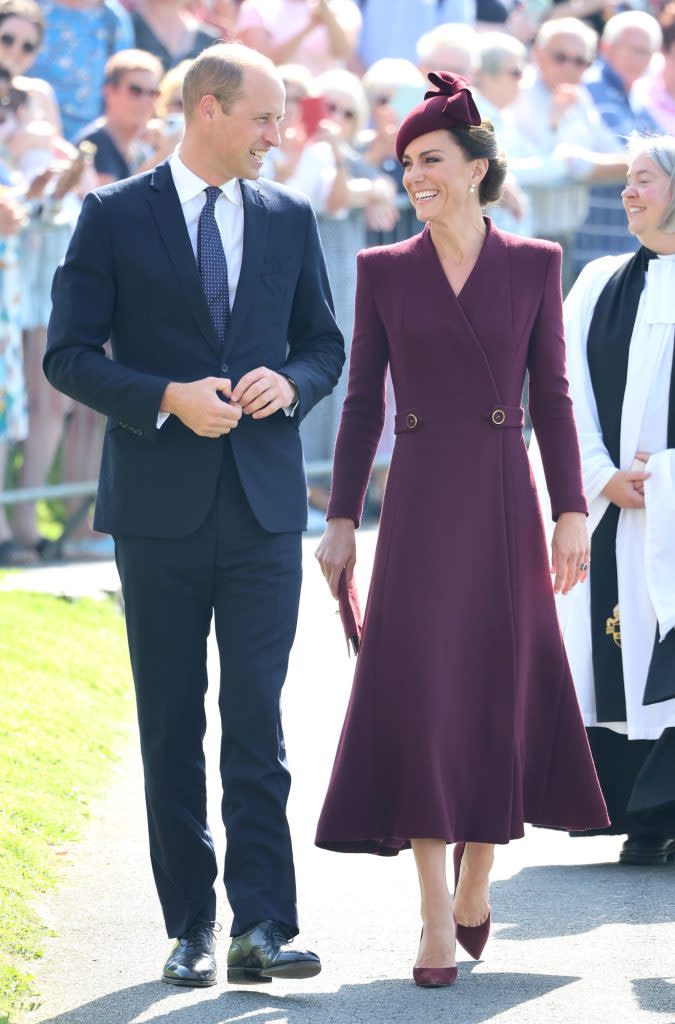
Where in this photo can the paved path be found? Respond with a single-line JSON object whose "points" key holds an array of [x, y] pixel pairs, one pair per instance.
{"points": [[578, 939]]}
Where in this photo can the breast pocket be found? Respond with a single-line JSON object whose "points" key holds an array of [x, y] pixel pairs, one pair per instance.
{"points": [[275, 291]]}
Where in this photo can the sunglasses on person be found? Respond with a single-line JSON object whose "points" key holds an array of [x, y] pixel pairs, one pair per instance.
{"points": [[8, 40], [138, 91], [334, 108], [558, 57]]}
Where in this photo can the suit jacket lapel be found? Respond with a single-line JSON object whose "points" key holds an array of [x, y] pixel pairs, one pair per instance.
{"points": [[167, 211], [256, 223]]}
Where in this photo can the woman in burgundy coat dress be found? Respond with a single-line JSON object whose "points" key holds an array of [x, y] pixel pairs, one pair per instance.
{"points": [[463, 722]]}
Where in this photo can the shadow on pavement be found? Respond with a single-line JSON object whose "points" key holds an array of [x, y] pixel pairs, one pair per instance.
{"points": [[560, 900], [656, 995], [476, 998]]}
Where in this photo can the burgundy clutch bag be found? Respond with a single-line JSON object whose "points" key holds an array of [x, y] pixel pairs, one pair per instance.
{"points": [[350, 612]]}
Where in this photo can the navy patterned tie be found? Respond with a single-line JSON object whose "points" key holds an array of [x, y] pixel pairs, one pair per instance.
{"points": [[213, 265]]}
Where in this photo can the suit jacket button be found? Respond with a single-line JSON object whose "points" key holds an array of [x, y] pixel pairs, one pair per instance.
{"points": [[411, 421], [224, 368], [498, 417]]}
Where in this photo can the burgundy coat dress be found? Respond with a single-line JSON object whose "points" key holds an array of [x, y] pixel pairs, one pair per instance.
{"points": [[463, 722]]}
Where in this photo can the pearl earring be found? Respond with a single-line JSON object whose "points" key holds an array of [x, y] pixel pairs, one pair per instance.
{"points": [[472, 188]]}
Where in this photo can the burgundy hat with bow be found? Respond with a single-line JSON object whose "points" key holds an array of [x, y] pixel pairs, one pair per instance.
{"points": [[451, 107]]}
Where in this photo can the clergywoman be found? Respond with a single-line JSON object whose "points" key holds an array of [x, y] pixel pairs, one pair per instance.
{"points": [[619, 634]]}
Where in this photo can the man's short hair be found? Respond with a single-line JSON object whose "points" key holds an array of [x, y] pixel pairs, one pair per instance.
{"points": [[625, 20], [124, 61], [219, 71], [568, 27], [495, 48]]}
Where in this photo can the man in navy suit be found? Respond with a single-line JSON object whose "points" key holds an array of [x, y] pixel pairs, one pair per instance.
{"points": [[212, 288]]}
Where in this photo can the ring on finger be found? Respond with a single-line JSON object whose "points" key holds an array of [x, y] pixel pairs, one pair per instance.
{"points": [[583, 566]]}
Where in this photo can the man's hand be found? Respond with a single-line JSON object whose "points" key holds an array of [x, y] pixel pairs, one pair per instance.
{"points": [[564, 97], [513, 199], [198, 405], [570, 549], [624, 488], [262, 392]]}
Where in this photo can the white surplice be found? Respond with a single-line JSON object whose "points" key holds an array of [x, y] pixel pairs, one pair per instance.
{"points": [[645, 542]]}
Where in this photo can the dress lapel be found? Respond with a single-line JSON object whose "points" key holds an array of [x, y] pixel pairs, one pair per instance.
{"points": [[166, 209], [462, 303]]}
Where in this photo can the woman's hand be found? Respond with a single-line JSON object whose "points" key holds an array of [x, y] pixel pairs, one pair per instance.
{"points": [[641, 458], [337, 552], [293, 143], [12, 214], [625, 488], [570, 549]]}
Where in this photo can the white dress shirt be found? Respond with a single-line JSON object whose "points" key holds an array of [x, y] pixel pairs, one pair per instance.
{"points": [[229, 214]]}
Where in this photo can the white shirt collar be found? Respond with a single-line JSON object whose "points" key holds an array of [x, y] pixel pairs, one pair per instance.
{"points": [[188, 184]]}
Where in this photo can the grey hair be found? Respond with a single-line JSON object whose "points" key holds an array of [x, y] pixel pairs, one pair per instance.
{"points": [[568, 27], [452, 37], [388, 73], [339, 80], [660, 149], [494, 50], [625, 20]]}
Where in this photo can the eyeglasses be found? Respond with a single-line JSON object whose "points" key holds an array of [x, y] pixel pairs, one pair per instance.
{"points": [[138, 91], [8, 40], [345, 111], [558, 57]]}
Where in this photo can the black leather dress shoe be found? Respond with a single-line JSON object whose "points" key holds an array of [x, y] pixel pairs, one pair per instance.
{"points": [[648, 849], [192, 961], [262, 954]]}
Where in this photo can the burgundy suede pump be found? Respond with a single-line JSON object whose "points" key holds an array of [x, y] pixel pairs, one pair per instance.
{"points": [[472, 938]]}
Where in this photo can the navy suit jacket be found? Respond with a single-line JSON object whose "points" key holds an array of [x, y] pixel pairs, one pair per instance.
{"points": [[130, 275]]}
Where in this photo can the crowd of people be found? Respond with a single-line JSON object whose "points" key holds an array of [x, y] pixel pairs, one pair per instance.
{"points": [[90, 93]]}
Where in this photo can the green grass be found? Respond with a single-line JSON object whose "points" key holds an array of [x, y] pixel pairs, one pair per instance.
{"points": [[65, 701]]}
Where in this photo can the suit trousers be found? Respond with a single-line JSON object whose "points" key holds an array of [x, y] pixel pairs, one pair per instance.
{"points": [[248, 581]]}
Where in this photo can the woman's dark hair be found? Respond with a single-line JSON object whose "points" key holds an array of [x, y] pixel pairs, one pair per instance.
{"points": [[479, 142], [26, 9]]}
